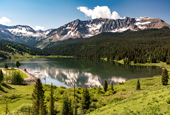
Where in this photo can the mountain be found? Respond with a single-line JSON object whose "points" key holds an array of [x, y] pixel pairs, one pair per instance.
{"points": [[78, 29], [22, 34], [151, 45], [15, 50], [85, 29]]}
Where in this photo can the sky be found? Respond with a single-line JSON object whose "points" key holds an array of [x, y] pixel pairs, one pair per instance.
{"points": [[47, 14]]}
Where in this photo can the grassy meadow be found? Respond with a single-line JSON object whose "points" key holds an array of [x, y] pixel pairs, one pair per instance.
{"points": [[125, 99], [151, 99]]}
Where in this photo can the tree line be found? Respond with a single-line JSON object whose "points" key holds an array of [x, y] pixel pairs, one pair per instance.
{"points": [[144, 46]]}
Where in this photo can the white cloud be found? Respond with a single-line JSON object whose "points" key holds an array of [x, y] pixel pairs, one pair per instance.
{"points": [[99, 12], [4, 20], [39, 28]]}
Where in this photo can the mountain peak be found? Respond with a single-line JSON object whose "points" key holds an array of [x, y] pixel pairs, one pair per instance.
{"points": [[82, 29]]}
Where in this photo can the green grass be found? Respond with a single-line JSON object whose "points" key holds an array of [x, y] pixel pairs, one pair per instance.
{"points": [[13, 70], [160, 64], [152, 98]]}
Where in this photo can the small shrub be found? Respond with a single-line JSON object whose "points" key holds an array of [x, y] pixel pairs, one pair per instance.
{"points": [[94, 99], [116, 99], [61, 91], [24, 109], [6, 66], [78, 92], [62, 87], [138, 85], [168, 100], [121, 83], [16, 78]]}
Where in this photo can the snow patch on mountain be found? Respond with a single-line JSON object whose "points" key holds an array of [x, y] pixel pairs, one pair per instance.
{"points": [[142, 23], [28, 32], [120, 29]]}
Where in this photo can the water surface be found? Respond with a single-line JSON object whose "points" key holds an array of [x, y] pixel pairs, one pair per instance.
{"points": [[81, 72]]}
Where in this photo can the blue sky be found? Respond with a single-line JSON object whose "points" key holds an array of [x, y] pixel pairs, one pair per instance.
{"points": [[55, 13]]}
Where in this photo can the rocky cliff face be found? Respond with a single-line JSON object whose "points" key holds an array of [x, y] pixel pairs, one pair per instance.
{"points": [[80, 29], [85, 29]]}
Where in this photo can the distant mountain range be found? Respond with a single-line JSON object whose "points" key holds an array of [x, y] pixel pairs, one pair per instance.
{"points": [[77, 29]]}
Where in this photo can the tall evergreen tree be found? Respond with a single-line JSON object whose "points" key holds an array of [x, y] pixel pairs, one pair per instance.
{"points": [[38, 105], [138, 85], [6, 108], [17, 64], [65, 106], [75, 106], [85, 101], [70, 107], [165, 77], [99, 90], [1, 76], [112, 86], [6, 66], [105, 86], [51, 103]]}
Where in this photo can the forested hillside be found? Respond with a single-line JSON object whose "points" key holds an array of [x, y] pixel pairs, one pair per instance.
{"points": [[7, 49], [152, 45]]}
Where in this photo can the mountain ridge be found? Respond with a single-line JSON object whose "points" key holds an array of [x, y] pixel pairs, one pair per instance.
{"points": [[78, 29]]}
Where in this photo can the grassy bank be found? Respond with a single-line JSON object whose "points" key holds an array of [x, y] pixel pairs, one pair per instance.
{"points": [[151, 99], [125, 99], [160, 64]]}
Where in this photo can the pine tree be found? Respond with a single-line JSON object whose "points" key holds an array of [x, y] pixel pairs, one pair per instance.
{"points": [[1, 76], [6, 108], [112, 86], [138, 85], [17, 64], [70, 107], [51, 103], [165, 77], [105, 85], [65, 106], [85, 101], [6, 66], [38, 106], [99, 90], [75, 106]]}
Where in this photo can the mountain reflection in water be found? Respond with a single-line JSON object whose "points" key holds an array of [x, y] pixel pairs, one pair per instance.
{"points": [[83, 72]]}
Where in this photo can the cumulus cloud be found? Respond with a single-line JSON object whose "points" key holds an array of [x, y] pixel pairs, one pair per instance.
{"points": [[99, 12], [4, 20], [39, 28]]}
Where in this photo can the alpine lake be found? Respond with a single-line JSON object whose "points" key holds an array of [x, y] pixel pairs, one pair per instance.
{"points": [[81, 72]]}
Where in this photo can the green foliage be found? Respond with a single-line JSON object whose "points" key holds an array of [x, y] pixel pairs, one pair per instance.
{"points": [[51, 103], [6, 66], [70, 107], [6, 108], [150, 46], [165, 77], [10, 49], [126, 61], [65, 106], [85, 101], [38, 105], [17, 64], [99, 90], [105, 86], [24, 109], [168, 100], [16, 78], [74, 106], [1, 76], [112, 86], [138, 85]]}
